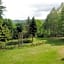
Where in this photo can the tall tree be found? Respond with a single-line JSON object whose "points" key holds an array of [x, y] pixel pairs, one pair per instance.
{"points": [[1, 9], [61, 22], [27, 26], [20, 33], [39, 24], [4, 32], [33, 28], [51, 23], [9, 24]]}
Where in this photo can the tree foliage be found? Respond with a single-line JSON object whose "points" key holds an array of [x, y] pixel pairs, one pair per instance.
{"points": [[54, 24], [33, 27]]}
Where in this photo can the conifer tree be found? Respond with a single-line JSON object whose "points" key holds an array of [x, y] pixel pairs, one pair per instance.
{"points": [[33, 28]]}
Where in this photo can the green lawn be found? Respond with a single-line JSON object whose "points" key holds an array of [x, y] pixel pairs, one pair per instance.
{"points": [[42, 54]]}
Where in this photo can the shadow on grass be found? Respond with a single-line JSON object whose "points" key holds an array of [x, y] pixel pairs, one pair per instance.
{"points": [[7, 48], [52, 41], [55, 42]]}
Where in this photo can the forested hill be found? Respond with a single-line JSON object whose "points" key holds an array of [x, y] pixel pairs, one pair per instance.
{"points": [[19, 21], [22, 21]]}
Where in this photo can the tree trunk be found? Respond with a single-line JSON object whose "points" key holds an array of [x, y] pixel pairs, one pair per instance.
{"points": [[22, 38], [32, 39], [5, 42], [19, 39]]}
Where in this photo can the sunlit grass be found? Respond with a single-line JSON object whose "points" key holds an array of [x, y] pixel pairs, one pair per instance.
{"points": [[41, 54]]}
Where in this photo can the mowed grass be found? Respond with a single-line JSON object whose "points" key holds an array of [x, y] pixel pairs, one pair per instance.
{"points": [[42, 54]]}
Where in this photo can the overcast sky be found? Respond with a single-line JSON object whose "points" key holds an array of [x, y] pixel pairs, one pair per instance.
{"points": [[21, 9]]}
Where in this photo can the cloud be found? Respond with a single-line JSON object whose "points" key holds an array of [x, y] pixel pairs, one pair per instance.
{"points": [[40, 10], [44, 7], [20, 9]]}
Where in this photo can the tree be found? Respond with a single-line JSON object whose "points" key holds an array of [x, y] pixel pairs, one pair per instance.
{"points": [[61, 22], [39, 24], [1, 9], [54, 23], [9, 24], [51, 23], [20, 33], [28, 21], [4, 32], [16, 29], [33, 28]]}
